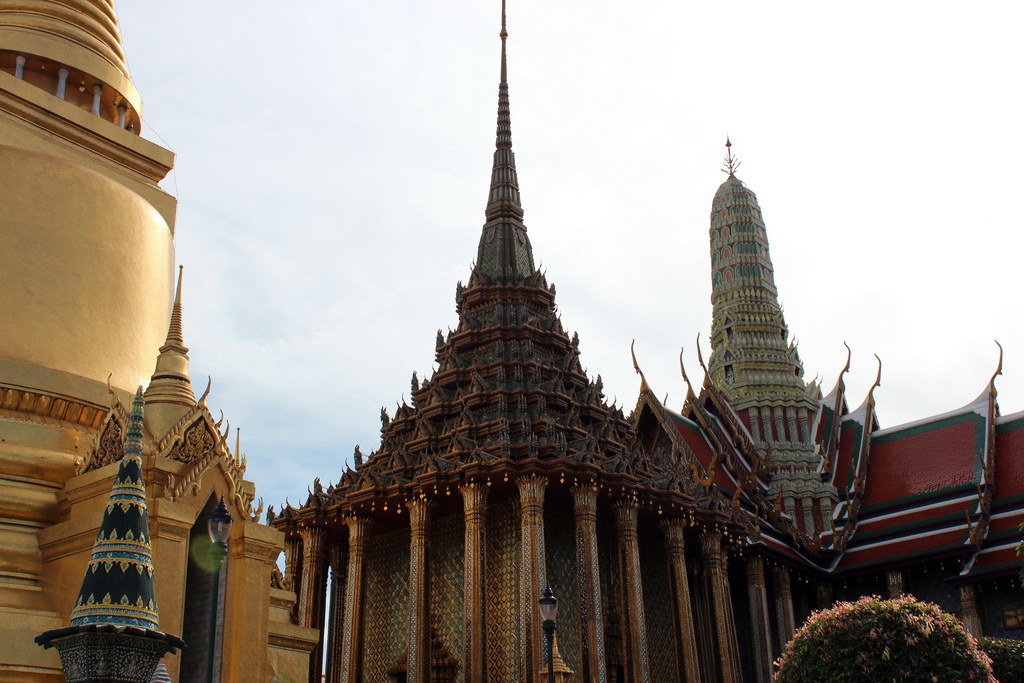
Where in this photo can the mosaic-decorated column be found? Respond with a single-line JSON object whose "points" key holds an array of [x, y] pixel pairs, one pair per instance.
{"points": [[894, 579], [474, 500], [969, 609], [592, 663], [336, 614], [420, 510], [760, 624], [632, 592], [721, 601], [531, 576], [686, 639], [352, 635], [784, 602], [312, 593]]}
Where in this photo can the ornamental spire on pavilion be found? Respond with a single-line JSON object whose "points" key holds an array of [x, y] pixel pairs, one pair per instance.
{"points": [[115, 630], [753, 363], [170, 396]]}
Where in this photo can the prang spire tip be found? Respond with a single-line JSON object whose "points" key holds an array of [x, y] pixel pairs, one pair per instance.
{"points": [[731, 162]]}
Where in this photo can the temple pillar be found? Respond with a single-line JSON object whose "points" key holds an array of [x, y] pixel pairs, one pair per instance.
{"points": [[474, 500], [312, 592], [293, 566], [592, 661], [418, 640], [760, 623], [352, 634], [824, 595], [531, 503], [969, 609], [725, 635], [632, 592], [894, 579], [784, 603], [686, 639], [336, 612]]}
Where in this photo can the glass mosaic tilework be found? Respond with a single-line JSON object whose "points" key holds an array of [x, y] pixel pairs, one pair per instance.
{"points": [[386, 607], [560, 547], [447, 568], [502, 564], [658, 604]]}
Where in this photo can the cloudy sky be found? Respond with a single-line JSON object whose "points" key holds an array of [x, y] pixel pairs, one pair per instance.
{"points": [[333, 160]]}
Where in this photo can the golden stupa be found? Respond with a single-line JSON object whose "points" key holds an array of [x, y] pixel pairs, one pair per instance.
{"points": [[89, 313]]}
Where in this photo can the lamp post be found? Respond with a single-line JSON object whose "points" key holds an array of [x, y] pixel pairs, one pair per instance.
{"points": [[549, 613], [219, 528]]}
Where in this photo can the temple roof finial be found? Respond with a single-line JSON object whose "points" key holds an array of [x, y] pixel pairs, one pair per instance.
{"points": [[504, 35], [731, 162], [174, 333]]}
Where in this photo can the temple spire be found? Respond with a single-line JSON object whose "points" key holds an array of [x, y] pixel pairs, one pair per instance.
{"points": [[169, 394], [504, 196], [174, 334], [505, 253]]}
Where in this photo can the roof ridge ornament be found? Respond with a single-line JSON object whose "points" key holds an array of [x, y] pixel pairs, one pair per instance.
{"points": [[731, 162]]}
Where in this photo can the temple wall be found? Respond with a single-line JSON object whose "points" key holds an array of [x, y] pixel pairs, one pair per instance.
{"points": [[560, 542], [658, 607], [447, 569], [502, 564], [387, 603]]}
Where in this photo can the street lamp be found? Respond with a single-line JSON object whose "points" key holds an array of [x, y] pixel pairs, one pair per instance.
{"points": [[219, 528], [549, 613]]}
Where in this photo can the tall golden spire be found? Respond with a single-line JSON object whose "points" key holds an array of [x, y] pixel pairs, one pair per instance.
{"points": [[169, 394]]}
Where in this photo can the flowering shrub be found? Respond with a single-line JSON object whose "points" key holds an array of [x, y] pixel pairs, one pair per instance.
{"points": [[1007, 658], [883, 640]]}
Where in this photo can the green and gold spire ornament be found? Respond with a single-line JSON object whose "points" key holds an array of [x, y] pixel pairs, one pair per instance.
{"points": [[115, 631]]}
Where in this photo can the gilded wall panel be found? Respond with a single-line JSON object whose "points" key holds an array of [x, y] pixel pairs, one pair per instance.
{"points": [[658, 603], [562, 575], [502, 564], [447, 568], [387, 603]]}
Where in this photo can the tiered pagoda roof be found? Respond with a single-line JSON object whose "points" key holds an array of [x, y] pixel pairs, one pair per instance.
{"points": [[509, 394]]}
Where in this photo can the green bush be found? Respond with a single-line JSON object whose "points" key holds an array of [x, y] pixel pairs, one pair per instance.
{"points": [[1007, 658], [883, 640]]}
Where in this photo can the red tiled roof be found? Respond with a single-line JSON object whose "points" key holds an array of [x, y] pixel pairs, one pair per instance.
{"points": [[925, 459], [1009, 476], [902, 548], [694, 438]]}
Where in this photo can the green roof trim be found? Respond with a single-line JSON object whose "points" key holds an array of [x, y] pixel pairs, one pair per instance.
{"points": [[909, 526]]}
